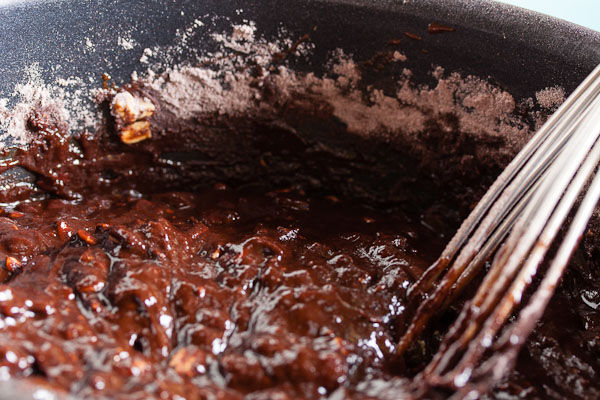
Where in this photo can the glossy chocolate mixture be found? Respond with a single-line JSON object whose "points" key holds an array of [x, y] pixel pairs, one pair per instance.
{"points": [[215, 291], [113, 287], [132, 271]]}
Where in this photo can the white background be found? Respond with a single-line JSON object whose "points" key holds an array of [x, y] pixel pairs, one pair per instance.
{"points": [[582, 12]]}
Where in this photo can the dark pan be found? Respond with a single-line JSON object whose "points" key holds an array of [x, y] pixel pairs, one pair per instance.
{"points": [[520, 51]]}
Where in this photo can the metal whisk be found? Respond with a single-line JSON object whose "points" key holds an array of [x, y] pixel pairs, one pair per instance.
{"points": [[517, 219]]}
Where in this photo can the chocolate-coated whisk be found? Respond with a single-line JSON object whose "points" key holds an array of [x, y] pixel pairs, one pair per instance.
{"points": [[517, 219]]}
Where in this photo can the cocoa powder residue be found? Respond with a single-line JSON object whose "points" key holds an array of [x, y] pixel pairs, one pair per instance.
{"points": [[233, 80]]}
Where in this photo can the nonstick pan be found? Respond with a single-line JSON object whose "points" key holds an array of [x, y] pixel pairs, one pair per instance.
{"points": [[521, 50], [518, 50]]}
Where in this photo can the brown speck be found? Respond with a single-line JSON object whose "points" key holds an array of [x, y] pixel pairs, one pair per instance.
{"points": [[394, 42], [136, 132], [425, 51], [12, 264], [105, 81], [64, 231], [141, 365], [86, 237], [340, 344], [188, 361], [333, 199], [102, 227], [437, 28], [263, 162], [94, 303], [369, 220], [412, 36], [87, 257], [283, 54]]}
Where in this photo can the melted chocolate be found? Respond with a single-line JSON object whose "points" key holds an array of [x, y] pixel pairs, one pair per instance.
{"points": [[215, 291], [129, 271]]}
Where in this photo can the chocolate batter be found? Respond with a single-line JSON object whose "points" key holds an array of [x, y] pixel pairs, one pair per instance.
{"points": [[210, 292], [131, 270], [115, 289]]}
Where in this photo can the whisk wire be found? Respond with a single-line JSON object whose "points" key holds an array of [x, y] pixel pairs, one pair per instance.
{"points": [[546, 214], [536, 146], [518, 218], [513, 338]]}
